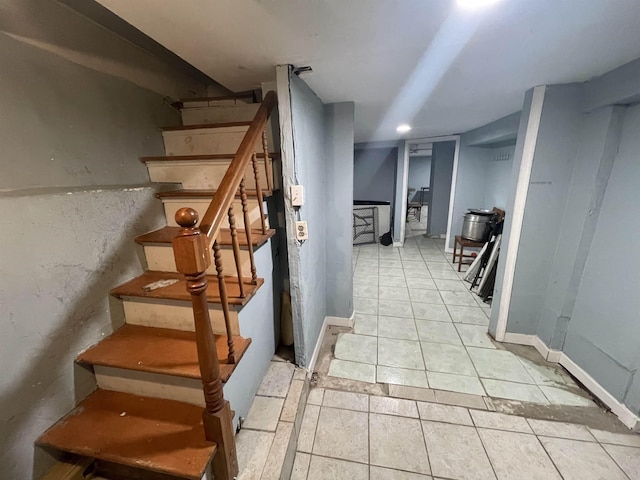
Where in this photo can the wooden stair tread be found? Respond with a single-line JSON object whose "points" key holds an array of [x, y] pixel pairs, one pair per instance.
{"points": [[167, 234], [163, 436], [160, 350], [213, 157], [183, 193], [205, 125], [178, 290]]}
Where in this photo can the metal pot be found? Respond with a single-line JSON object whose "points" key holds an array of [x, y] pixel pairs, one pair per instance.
{"points": [[477, 226]]}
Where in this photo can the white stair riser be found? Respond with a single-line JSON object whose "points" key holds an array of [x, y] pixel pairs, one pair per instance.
{"points": [[226, 102], [172, 205], [205, 141], [219, 113], [222, 114], [161, 313], [148, 384], [160, 257], [203, 175]]}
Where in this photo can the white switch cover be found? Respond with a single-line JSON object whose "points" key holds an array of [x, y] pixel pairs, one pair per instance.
{"points": [[297, 195], [301, 231]]}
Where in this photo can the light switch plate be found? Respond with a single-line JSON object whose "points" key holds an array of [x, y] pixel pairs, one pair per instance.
{"points": [[301, 231], [297, 195]]}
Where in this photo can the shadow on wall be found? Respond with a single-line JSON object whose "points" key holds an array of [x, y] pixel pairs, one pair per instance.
{"points": [[374, 174], [41, 396], [50, 26], [275, 204]]}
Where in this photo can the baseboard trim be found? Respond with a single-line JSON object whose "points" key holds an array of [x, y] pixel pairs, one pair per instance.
{"points": [[328, 321], [623, 413], [534, 341], [316, 351], [340, 321], [620, 410]]}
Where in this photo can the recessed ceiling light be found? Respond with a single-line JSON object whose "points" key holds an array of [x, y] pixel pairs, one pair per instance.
{"points": [[404, 128], [471, 4]]}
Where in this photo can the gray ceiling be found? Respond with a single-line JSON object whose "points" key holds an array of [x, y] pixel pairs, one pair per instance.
{"points": [[429, 63]]}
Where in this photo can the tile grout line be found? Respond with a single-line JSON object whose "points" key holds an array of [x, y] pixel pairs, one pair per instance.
{"points": [[550, 457], [424, 438], [611, 457], [484, 448]]}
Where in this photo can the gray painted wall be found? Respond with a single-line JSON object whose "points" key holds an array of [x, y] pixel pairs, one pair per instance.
{"points": [[419, 175], [62, 32], [308, 278], [61, 255], [481, 181], [470, 183], [498, 172], [318, 148], [339, 218], [617, 87], [73, 196], [257, 323], [603, 334], [553, 162], [599, 140], [575, 284], [441, 171], [374, 174]]}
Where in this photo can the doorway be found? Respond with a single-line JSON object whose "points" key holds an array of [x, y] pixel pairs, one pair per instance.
{"points": [[419, 184], [430, 196]]}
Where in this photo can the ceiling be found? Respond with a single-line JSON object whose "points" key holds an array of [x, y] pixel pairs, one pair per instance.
{"points": [[430, 63]]}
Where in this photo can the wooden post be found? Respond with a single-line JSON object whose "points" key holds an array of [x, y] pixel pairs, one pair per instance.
{"points": [[247, 231], [256, 175], [192, 256], [224, 300], [268, 171], [236, 249]]}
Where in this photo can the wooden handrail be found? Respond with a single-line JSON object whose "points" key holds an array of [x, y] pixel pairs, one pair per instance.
{"points": [[216, 214]]}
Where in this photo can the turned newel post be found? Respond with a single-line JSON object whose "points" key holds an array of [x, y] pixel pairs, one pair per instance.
{"points": [[193, 257]]}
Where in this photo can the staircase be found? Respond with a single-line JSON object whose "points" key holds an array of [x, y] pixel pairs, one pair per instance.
{"points": [[159, 411]]}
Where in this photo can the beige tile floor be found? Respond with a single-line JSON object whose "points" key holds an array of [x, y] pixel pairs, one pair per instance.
{"points": [[417, 324], [346, 435]]}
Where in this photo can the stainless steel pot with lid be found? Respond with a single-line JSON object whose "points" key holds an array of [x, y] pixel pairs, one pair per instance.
{"points": [[477, 224]]}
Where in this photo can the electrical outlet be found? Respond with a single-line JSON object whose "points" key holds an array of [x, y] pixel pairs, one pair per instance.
{"points": [[297, 195], [301, 231]]}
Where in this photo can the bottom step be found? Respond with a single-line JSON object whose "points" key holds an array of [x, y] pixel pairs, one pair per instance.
{"points": [[162, 436]]}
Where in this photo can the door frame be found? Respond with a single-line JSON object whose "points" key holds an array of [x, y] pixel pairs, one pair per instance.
{"points": [[517, 216], [454, 175]]}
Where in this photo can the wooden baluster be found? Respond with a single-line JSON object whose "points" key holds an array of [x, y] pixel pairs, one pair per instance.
{"points": [[236, 248], [256, 175], [222, 285], [247, 230], [193, 258], [267, 160]]}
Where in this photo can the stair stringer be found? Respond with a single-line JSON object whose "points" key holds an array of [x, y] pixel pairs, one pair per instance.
{"points": [[257, 321]]}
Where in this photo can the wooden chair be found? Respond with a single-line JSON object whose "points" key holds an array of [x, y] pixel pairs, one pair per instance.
{"points": [[463, 242]]}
